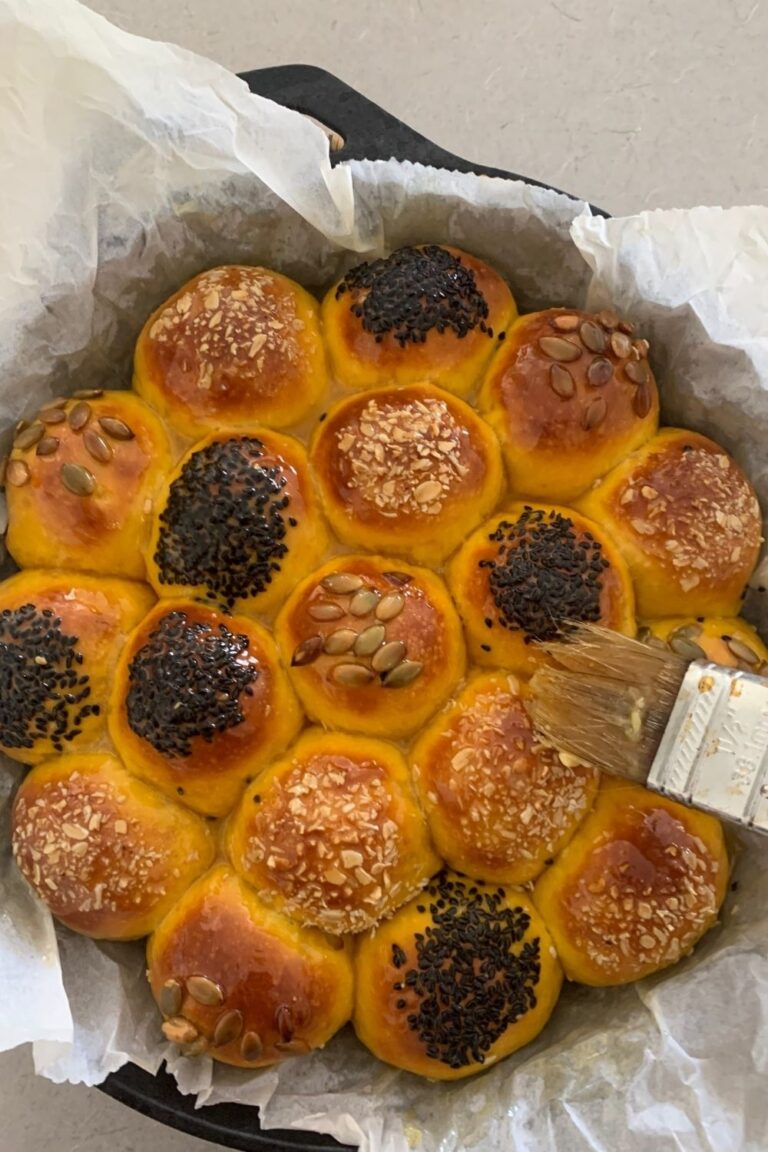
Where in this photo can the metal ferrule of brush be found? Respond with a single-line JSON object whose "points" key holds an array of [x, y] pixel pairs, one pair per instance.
{"points": [[714, 751]]}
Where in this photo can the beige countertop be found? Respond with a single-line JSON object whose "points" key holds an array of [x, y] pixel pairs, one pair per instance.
{"points": [[633, 106]]}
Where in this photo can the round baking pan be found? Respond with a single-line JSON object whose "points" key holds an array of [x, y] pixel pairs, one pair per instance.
{"points": [[365, 132]]}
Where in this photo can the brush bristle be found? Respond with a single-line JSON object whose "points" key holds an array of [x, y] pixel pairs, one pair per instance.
{"points": [[607, 700]]}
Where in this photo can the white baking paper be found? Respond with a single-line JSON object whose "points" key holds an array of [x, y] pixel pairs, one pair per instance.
{"points": [[128, 166]]}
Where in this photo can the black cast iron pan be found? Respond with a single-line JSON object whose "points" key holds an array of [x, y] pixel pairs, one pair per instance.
{"points": [[368, 133]]}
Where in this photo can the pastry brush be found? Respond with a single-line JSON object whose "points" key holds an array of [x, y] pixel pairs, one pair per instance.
{"points": [[696, 732]]}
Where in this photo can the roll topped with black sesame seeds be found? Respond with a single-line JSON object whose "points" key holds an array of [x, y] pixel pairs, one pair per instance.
{"points": [[569, 394], [422, 314], [333, 835], [200, 704], [60, 636], [108, 854], [525, 573], [637, 887], [499, 804], [407, 470], [731, 643], [461, 977], [238, 522], [688, 522], [81, 481], [374, 645], [234, 345], [238, 981]]}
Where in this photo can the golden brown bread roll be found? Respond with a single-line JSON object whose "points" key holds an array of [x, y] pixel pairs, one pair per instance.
{"points": [[81, 481], [527, 572], [687, 521], [200, 704], [499, 804], [426, 314], [458, 979], [108, 855], [569, 394], [238, 522], [238, 981], [732, 643], [406, 470], [233, 346], [638, 885], [332, 834], [374, 645], [60, 635]]}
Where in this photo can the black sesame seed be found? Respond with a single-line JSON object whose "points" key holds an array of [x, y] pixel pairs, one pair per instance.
{"points": [[486, 647], [39, 701], [413, 291], [186, 682], [223, 526], [544, 575], [398, 956], [476, 973]]}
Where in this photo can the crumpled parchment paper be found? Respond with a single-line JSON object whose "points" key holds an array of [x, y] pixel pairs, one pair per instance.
{"points": [[128, 166]]}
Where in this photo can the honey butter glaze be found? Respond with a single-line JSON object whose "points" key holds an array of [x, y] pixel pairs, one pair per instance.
{"points": [[267, 658]]}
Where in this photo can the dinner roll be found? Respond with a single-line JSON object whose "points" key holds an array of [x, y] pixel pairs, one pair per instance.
{"points": [[426, 314], [200, 704], [687, 521], [499, 804], [238, 981], [638, 885], [374, 645], [80, 484], [238, 522], [406, 470], [332, 834], [528, 572], [60, 635], [108, 855], [235, 345], [569, 394], [732, 643], [458, 979]]}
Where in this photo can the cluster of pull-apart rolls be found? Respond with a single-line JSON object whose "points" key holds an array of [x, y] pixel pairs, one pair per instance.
{"points": [[267, 658]]}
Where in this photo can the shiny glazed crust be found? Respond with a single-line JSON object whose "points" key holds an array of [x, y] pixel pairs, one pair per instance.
{"points": [[243, 983], [109, 855], [235, 345], [566, 414], [687, 521], [52, 526], [456, 363], [637, 887]]}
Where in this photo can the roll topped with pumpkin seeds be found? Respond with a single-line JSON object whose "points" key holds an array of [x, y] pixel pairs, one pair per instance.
{"points": [[200, 704], [732, 643], [237, 523], [374, 645], [408, 470], [238, 981], [60, 636], [81, 482], [426, 314], [569, 394], [526, 573], [108, 854], [687, 521], [234, 345], [333, 834]]}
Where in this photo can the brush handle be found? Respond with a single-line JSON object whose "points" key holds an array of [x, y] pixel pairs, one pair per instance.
{"points": [[714, 751]]}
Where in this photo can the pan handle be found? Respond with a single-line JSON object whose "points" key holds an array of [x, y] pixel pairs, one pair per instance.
{"points": [[366, 131]]}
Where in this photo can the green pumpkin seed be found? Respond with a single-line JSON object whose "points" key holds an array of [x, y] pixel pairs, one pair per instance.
{"points": [[53, 416], [592, 336], [352, 675], [47, 446], [17, 473], [29, 436], [325, 610], [342, 583], [566, 323], [116, 429], [96, 446], [621, 345], [399, 579], [561, 382], [228, 1028], [369, 640], [79, 415], [642, 401], [339, 641], [364, 602], [88, 393], [743, 651], [171, 996], [78, 479], [686, 648], [402, 674], [196, 1048], [205, 991], [637, 371], [559, 348], [388, 656], [251, 1047], [390, 606], [307, 652], [599, 372]]}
